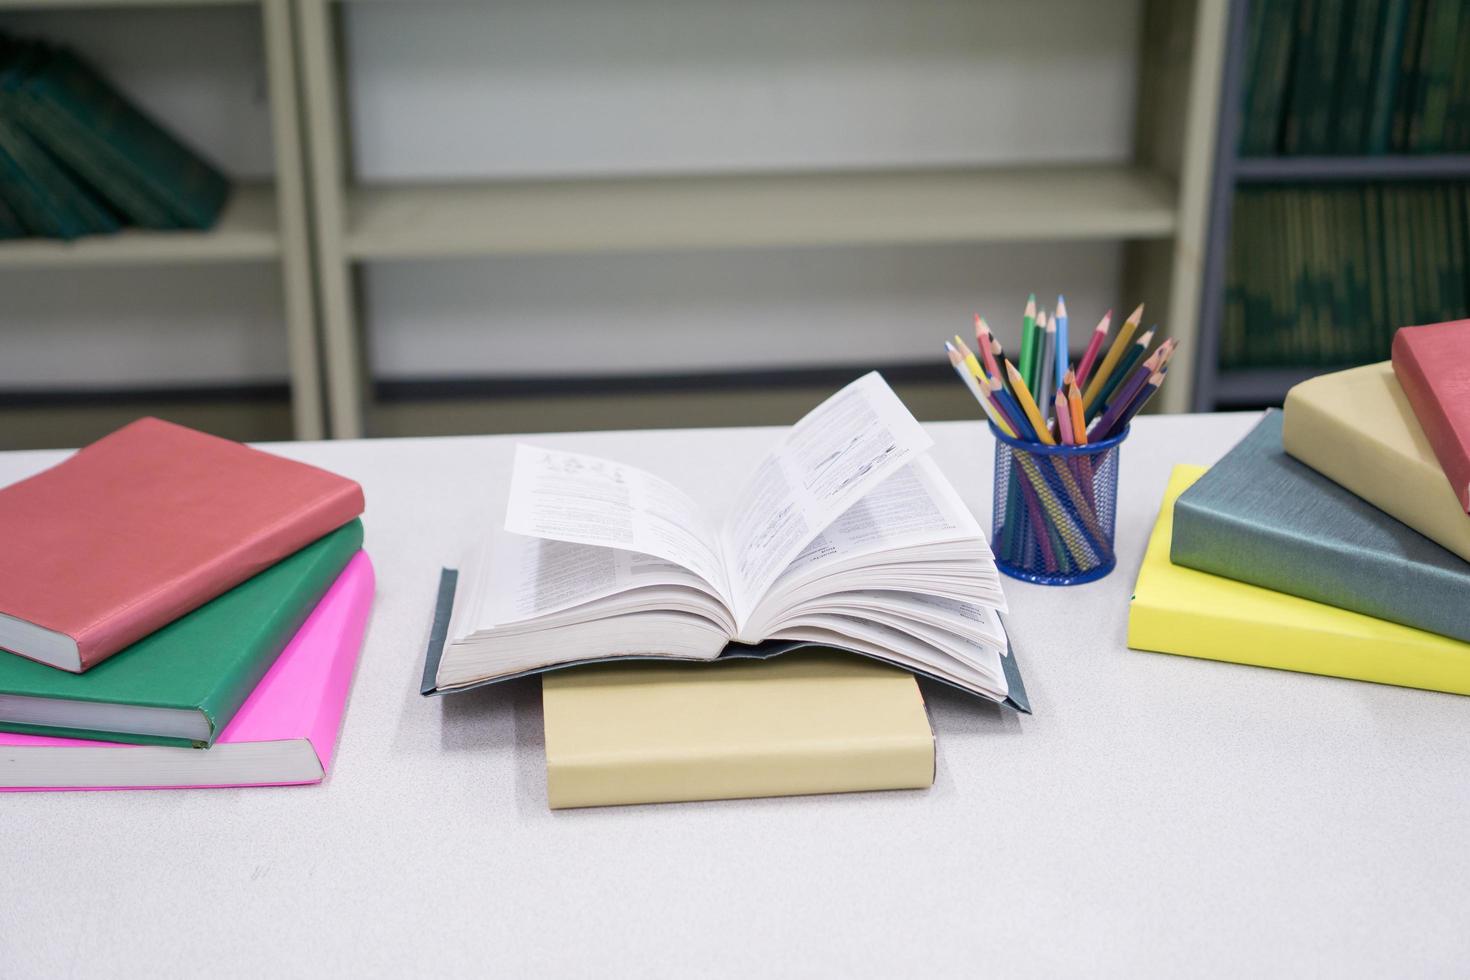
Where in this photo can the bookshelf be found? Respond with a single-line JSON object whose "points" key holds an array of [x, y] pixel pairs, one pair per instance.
{"points": [[1216, 388], [1156, 203], [262, 223]]}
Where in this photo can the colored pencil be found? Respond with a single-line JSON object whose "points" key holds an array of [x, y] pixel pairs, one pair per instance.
{"points": [[1045, 384], [1064, 355], [957, 361], [1122, 372], [970, 361], [1133, 409], [1079, 420], [1013, 409], [986, 344], [1123, 395], [1028, 337], [1064, 420], [1110, 360], [1028, 405], [1094, 346]]}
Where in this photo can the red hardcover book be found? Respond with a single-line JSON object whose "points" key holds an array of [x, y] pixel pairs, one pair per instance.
{"points": [[143, 526], [1432, 364]]}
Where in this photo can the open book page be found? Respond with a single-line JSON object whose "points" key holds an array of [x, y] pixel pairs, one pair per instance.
{"points": [[536, 578], [914, 507], [829, 460], [586, 500]]}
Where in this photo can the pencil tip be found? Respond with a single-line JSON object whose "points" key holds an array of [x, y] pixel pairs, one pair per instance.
{"points": [[1137, 314], [1061, 305]]}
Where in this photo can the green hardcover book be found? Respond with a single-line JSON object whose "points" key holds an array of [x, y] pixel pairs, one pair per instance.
{"points": [[1327, 42], [182, 684], [72, 208], [69, 211], [1406, 91], [1355, 77], [1269, 93], [1442, 28], [1378, 138], [1302, 87], [92, 160], [192, 191]]}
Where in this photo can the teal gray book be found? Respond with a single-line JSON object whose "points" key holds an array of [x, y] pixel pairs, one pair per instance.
{"points": [[182, 684], [1259, 516]]}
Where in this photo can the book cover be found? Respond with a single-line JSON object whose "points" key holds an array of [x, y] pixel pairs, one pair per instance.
{"points": [[144, 525], [1432, 364], [1194, 614], [1356, 428], [198, 669], [285, 733], [1261, 517], [810, 722]]}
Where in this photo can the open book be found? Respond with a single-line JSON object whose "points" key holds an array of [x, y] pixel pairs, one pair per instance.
{"points": [[846, 534]]}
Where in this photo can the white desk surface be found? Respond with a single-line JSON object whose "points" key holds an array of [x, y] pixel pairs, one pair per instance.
{"points": [[1157, 815]]}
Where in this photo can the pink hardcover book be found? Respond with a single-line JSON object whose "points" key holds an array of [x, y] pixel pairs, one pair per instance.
{"points": [[284, 734]]}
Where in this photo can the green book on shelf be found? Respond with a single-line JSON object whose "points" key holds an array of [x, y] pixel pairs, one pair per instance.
{"points": [[1326, 46], [1386, 64], [182, 684], [56, 206], [191, 191], [1431, 115], [50, 201], [1406, 91], [92, 160], [1302, 84], [1355, 76], [1261, 130]]}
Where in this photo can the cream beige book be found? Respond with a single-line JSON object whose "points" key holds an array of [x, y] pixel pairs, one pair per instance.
{"points": [[1357, 428], [812, 721]]}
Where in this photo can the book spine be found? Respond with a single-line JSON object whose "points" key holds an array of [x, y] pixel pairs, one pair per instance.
{"points": [[357, 580], [1433, 665], [1368, 582], [1451, 448], [838, 767], [270, 633]]}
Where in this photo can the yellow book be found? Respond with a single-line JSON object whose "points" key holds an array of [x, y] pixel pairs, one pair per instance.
{"points": [[1182, 611], [811, 721], [1356, 428]]}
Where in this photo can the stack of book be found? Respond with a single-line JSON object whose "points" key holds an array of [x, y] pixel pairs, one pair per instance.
{"points": [[1356, 76], [1335, 539], [844, 534], [78, 158], [177, 610], [1314, 274]]}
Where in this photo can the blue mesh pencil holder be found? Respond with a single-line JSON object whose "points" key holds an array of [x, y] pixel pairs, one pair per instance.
{"points": [[1055, 509]]}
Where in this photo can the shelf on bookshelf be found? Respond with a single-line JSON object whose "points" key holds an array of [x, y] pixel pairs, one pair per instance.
{"points": [[1251, 170], [651, 213], [245, 232]]}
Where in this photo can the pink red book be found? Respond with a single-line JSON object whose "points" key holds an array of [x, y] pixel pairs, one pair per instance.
{"points": [[143, 526], [1432, 364], [284, 734]]}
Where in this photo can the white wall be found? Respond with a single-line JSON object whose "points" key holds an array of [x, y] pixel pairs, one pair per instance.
{"points": [[578, 87]]}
